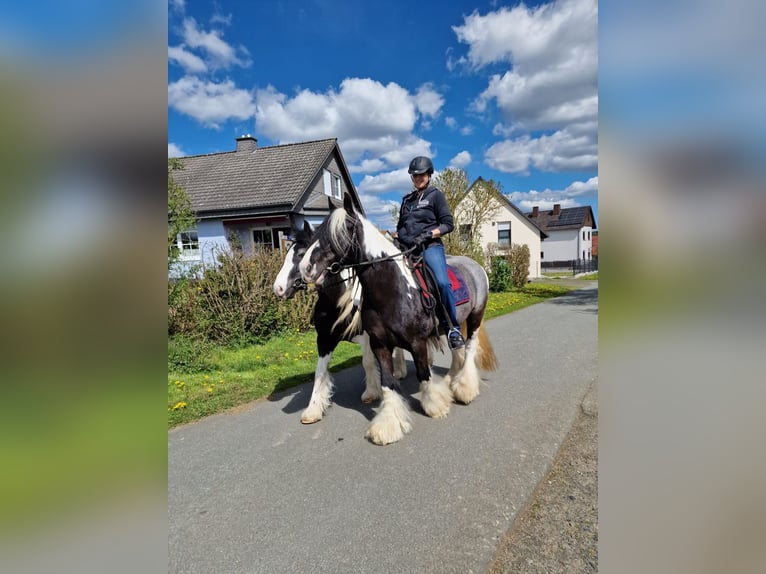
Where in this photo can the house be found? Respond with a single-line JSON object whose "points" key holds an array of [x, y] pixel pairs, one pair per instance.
{"points": [[252, 196], [570, 234], [508, 225]]}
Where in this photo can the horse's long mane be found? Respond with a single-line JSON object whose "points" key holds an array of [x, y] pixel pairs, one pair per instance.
{"points": [[337, 233]]}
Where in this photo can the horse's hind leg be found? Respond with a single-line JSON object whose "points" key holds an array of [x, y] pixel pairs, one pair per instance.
{"points": [[465, 383]]}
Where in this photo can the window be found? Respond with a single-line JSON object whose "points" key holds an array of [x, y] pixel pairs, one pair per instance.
{"points": [[542, 255], [188, 245], [589, 235], [504, 233], [583, 236], [465, 233], [262, 238], [332, 185]]}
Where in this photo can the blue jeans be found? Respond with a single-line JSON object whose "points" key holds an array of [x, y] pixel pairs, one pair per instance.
{"points": [[437, 263]]}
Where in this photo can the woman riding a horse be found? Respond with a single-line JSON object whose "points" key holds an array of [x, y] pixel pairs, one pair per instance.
{"points": [[424, 217]]}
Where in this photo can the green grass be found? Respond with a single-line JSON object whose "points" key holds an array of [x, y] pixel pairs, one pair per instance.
{"points": [[239, 376]]}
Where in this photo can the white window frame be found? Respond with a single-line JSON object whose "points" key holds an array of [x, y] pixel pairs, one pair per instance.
{"points": [[256, 244], [337, 191], [188, 249], [504, 226]]}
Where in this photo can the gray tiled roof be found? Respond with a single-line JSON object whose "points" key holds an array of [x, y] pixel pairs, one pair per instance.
{"points": [[253, 179]]}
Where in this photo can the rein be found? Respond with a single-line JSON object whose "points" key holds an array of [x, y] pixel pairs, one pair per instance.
{"points": [[337, 267]]}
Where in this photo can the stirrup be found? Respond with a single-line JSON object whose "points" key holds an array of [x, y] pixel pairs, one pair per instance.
{"points": [[455, 339]]}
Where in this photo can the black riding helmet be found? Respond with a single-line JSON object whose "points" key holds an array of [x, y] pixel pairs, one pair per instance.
{"points": [[421, 164]]}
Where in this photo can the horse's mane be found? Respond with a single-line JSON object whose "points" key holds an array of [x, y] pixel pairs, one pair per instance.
{"points": [[337, 234], [339, 238]]}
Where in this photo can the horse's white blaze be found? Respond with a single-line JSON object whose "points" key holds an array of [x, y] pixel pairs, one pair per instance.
{"points": [[321, 393], [465, 385], [435, 397], [393, 420], [280, 283]]}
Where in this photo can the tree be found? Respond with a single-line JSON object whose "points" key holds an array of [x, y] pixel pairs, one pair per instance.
{"points": [[180, 213], [469, 211]]}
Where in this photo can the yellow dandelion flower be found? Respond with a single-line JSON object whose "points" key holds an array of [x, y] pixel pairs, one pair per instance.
{"points": [[210, 389], [179, 405]]}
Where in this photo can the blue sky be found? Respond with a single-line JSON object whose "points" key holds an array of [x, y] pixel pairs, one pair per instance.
{"points": [[505, 91]]}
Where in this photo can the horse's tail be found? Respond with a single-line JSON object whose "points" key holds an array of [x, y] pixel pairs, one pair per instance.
{"points": [[485, 354]]}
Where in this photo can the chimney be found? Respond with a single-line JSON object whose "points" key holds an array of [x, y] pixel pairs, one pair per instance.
{"points": [[556, 209], [535, 211], [247, 143]]}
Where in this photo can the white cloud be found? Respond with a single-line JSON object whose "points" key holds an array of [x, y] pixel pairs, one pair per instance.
{"points": [[552, 52], [372, 121], [210, 103], [379, 210], [387, 182], [175, 151], [565, 150], [460, 160], [220, 54], [526, 200], [179, 5], [450, 122], [429, 102], [188, 61]]}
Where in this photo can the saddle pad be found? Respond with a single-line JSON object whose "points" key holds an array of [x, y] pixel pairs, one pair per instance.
{"points": [[459, 290]]}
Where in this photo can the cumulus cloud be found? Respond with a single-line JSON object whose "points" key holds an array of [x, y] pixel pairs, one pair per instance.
{"points": [[570, 149], [174, 150], [568, 197], [210, 103], [219, 53], [379, 210], [552, 79], [460, 160], [372, 120], [189, 62], [386, 182]]}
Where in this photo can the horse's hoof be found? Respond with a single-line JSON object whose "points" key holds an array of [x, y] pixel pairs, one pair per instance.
{"points": [[310, 418], [371, 398], [383, 437]]}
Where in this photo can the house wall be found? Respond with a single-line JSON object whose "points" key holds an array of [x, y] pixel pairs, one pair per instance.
{"points": [[212, 239], [522, 233], [568, 244]]}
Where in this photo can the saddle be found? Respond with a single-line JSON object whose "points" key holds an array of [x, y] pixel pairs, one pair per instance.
{"points": [[429, 290]]}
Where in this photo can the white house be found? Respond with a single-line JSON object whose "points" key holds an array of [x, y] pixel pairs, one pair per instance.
{"points": [[509, 225], [570, 233]]}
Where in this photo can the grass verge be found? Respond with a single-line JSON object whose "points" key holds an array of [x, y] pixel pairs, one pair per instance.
{"points": [[233, 377]]}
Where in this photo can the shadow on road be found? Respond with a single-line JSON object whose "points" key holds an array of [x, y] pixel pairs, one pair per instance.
{"points": [[348, 388], [579, 297]]}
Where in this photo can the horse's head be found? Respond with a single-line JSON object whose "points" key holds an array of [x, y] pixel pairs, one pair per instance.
{"points": [[335, 243], [289, 281]]}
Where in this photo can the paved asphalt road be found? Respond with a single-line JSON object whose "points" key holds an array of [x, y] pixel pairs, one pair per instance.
{"points": [[254, 491]]}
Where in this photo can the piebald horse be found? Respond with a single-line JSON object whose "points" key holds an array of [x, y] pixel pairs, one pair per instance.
{"points": [[336, 318], [393, 315]]}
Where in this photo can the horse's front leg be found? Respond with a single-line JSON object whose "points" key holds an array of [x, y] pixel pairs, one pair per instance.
{"points": [[322, 390], [393, 420], [435, 393]]}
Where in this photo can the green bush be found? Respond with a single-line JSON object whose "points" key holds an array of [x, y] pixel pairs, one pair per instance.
{"points": [[233, 304], [500, 275], [519, 260]]}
